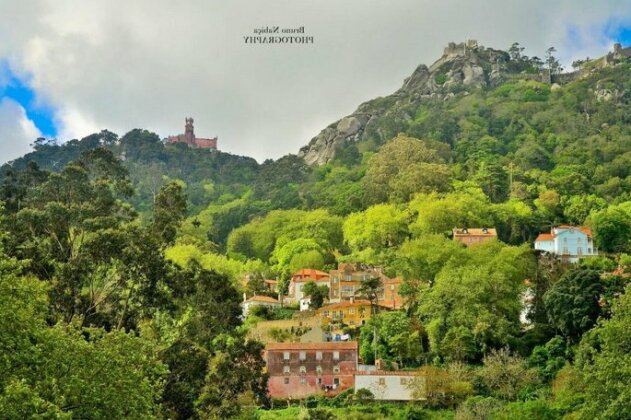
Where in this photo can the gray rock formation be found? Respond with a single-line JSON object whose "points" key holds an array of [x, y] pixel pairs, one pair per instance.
{"points": [[462, 66]]}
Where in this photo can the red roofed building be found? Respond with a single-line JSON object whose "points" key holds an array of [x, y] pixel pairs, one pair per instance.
{"points": [[297, 370], [189, 138], [302, 277], [569, 242], [470, 236]]}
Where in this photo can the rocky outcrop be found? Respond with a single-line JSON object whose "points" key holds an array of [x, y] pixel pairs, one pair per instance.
{"points": [[462, 66]]}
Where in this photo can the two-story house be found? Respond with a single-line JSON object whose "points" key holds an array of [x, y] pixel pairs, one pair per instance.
{"points": [[569, 242], [471, 236]]}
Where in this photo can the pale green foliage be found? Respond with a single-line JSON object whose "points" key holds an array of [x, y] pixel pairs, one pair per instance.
{"points": [[379, 227], [468, 206], [260, 238], [182, 254], [422, 258]]}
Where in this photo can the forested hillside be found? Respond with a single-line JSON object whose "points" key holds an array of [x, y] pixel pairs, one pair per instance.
{"points": [[122, 258]]}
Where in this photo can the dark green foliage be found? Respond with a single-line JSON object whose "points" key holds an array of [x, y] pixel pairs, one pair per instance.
{"points": [[316, 293], [572, 303]]}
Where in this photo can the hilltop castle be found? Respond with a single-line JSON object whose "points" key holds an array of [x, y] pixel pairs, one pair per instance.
{"points": [[189, 138]]}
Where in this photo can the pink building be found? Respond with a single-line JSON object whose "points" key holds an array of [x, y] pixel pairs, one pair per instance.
{"points": [[189, 138], [297, 370]]}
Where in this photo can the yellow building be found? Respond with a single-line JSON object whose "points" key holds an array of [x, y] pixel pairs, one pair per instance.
{"points": [[352, 312]]}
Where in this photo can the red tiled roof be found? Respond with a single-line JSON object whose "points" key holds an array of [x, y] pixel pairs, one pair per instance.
{"points": [[310, 272], [550, 236], [329, 345], [545, 237], [585, 230], [260, 298]]}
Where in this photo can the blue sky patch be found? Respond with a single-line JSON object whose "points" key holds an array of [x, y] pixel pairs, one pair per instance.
{"points": [[14, 88]]}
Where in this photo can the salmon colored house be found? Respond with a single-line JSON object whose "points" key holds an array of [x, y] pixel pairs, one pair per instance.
{"points": [[470, 236], [297, 370]]}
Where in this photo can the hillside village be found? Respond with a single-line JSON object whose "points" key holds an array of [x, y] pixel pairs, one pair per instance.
{"points": [[459, 249], [323, 358]]}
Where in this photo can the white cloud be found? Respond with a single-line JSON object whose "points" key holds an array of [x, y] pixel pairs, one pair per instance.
{"points": [[17, 131], [149, 63]]}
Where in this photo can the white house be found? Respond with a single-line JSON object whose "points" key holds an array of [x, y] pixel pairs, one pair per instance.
{"points": [[568, 242], [259, 300], [390, 385]]}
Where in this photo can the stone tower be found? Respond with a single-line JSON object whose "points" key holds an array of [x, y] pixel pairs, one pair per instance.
{"points": [[189, 133]]}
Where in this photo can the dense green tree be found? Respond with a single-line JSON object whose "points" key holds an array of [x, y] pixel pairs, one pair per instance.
{"points": [[402, 167], [479, 291], [572, 302], [605, 367], [168, 212], [379, 227], [316, 293], [390, 336], [612, 228]]}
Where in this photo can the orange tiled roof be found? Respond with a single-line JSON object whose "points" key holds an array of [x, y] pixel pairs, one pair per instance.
{"points": [[475, 232], [261, 298], [550, 236], [545, 237], [330, 345], [310, 272]]}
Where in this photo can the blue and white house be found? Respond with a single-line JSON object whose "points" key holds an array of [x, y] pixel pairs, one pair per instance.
{"points": [[568, 242]]}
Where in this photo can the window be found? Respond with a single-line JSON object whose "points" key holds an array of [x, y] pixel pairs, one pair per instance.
{"points": [[341, 314], [334, 314], [319, 370], [303, 369], [286, 370], [336, 355], [318, 355], [303, 380], [579, 250], [566, 251], [336, 369], [336, 381], [589, 250], [351, 311], [286, 355], [319, 381], [303, 355], [382, 381], [286, 381]]}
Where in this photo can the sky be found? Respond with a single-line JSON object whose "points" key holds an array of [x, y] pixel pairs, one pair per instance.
{"points": [[72, 68]]}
